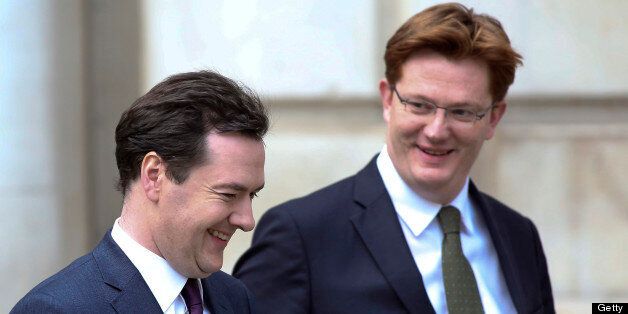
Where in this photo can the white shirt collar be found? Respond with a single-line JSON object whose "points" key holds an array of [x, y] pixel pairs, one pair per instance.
{"points": [[415, 211], [164, 282]]}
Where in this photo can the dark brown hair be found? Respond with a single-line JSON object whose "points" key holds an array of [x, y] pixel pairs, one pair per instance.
{"points": [[456, 32], [174, 118]]}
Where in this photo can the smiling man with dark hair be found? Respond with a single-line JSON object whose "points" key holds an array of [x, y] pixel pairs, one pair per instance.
{"points": [[191, 158]]}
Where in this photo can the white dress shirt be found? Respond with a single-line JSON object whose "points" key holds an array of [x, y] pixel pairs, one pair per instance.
{"points": [[421, 229], [164, 282]]}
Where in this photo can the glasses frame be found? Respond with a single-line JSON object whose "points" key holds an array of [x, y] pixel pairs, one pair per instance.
{"points": [[478, 115]]}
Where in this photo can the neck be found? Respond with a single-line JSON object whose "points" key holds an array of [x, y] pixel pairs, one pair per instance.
{"points": [[136, 223]]}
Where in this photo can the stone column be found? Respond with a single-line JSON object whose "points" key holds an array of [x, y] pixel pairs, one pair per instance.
{"points": [[42, 142]]}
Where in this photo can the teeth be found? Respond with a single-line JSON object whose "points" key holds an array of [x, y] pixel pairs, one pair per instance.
{"points": [[437, 153], [219, 235]]}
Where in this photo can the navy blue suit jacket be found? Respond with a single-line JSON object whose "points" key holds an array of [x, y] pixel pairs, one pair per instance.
{"points": [[105, 281], [342, 250]]}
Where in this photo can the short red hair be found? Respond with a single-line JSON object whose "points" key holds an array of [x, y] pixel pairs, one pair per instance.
{"points": [[456, 32]]}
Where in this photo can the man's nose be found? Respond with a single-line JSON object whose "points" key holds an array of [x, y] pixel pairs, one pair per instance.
{"points": [[437, 125], [242, 217]]}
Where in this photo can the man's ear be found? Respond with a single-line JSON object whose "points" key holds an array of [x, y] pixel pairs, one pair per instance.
{"points": [[385, 93], [495, 115], [152, 173]]}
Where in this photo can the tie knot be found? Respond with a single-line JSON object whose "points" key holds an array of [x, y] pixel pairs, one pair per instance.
{"points": [[192, 296], [449, 219]]}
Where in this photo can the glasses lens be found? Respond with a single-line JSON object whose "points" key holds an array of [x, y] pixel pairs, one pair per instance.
{"points": [[420, 108], [462, 115]]}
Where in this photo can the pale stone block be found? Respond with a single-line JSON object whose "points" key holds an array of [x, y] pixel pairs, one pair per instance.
{"points": [[288, 48], [569, 180], [603, 196], [532, 175], [25, 158], [31, 249]]}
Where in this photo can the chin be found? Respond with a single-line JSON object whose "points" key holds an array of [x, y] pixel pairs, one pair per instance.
{"points": [[212, 267], [432, 180], [432, 177]]}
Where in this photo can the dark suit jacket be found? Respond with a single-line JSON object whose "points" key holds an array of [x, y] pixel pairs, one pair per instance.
{"points": [[105, 281], [342, 250]]}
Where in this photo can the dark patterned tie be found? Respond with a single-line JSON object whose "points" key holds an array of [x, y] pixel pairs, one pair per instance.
{"points": [[461, 290], [192, 297]]}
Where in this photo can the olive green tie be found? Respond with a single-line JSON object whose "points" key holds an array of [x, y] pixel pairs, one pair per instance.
{"points": [[461, 290]]}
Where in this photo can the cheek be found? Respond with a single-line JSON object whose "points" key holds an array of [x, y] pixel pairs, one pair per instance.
{"points": [[471, 145], [472, 139], [404, 129], [179, 199], [408, 134], [183, 223], [207, 215], [187, 238]]}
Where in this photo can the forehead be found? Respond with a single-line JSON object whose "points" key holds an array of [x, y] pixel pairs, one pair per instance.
{"points": [[232, 145], [234, 158], [430, 74]]}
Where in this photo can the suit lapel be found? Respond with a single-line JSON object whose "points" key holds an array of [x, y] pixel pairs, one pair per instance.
{"points": [[213, 298], [136, 297], [501, 239], [379, 228], [131, 292]]}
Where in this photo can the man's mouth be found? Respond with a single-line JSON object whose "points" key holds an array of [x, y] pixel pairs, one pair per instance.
{"points": [[219, 235], [436, 152]]}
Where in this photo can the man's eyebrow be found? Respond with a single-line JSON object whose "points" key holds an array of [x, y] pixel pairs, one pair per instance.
{"points": [[464, 104], [230, 186], [453, 104], [235, 186], [419, 97]]}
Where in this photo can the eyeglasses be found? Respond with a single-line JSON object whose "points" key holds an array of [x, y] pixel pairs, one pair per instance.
{"points": [[424, 108]]}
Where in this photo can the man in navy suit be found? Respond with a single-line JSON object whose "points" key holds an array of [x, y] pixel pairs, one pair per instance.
{"points": [[375, 242], [191, 158]]}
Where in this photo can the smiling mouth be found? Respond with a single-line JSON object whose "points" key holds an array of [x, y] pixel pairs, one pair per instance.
{"points": [[219, 235], [436, 152]]}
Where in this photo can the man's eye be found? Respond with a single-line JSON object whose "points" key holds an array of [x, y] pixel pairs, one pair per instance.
{"points": [[228, 195], [421, 105], [464, 113], [253, 195]]}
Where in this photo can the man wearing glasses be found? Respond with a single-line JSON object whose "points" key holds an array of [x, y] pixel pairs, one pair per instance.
{"points": [[411, 233]]}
